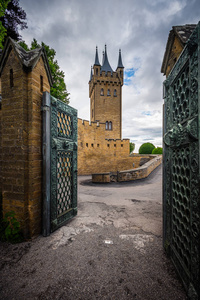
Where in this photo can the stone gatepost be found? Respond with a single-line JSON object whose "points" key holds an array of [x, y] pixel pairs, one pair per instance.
{"points": [[24, 78]]}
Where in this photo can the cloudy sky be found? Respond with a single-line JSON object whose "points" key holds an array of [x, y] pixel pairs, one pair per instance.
{"points": [[139, 28]]}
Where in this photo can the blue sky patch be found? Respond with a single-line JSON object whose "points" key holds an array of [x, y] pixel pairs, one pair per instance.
{"points": [[147, 113], [128, 74]]}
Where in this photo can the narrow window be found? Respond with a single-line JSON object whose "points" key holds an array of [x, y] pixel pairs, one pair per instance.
{"points": [[86, 144], [96, 71], [41, 83], [115, 93], [102, 92], [97, 145], [11, 78], [108, 145], [120, 73], [92, 145], [114, 145], [108, 92], [106, 125], [121, 145], [110, 126]]}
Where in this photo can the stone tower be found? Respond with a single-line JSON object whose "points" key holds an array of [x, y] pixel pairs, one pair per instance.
{"points": [[105, 92]]}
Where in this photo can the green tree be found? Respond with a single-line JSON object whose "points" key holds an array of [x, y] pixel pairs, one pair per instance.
{"points": [[132, 147], [158, 150], [146, 148], [59, 89], [13, 17], [3, 6]]}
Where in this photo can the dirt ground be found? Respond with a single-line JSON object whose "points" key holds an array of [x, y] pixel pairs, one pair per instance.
{"points": [[111, 250]]}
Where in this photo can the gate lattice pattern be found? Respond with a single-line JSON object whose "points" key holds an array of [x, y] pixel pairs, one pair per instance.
{"points": [[64, 182], [59, 163], [181, 171]]}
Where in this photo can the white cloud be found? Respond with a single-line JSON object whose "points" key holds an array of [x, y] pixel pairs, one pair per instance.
{"points": [[140, 28]]}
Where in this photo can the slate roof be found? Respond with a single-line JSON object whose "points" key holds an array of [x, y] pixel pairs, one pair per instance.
{"points": [[28, 59], [106, 65], [183, 33], [120, 64], [97, 63]]}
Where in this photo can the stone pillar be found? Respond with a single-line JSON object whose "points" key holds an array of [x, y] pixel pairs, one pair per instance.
{"points": [[21, 138]]}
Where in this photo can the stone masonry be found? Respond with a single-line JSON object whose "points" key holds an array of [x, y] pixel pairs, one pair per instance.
{"points": [[24, 78]]}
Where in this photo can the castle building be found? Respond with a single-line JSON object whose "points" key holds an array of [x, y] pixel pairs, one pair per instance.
{"points": [[100, 144], [105, 92]]}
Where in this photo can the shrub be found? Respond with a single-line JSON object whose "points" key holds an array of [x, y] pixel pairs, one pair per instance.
{"points": [[157, 150], [146, 148], [132, 147], [10, 229]]}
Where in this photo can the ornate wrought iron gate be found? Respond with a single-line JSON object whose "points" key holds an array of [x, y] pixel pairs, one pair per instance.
{"points": [[59, 163], [181, 192]]}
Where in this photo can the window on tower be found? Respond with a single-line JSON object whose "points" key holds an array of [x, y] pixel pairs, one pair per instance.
{"points": [[102, 92], [108, 125], [108, 92], [115, 93]]}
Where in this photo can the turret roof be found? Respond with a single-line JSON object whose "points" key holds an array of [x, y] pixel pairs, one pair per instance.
{"points": [[106, 66], [120, 64], [28, 59], [97, 63]]}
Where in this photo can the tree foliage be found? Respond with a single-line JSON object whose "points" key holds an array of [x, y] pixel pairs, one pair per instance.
{"points": [[3, 6], [132, 147], [13, 18], [158, 150], [146, 148], [58, 90]]}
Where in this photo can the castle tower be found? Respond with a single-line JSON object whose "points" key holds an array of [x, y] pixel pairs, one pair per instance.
{"points": [[105, 92]]}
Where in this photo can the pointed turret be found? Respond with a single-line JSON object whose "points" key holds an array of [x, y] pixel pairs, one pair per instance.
{"points": [[97, 63], [120, 64], [106, 66], [102, 58]]}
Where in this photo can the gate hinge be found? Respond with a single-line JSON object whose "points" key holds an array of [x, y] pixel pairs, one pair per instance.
{"points": [[45, 108]]}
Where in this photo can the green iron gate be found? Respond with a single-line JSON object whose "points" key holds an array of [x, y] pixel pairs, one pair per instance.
{"points": [[59, 163], [181, 193]]}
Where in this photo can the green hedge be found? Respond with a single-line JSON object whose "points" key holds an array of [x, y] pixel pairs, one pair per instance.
{"points": [[146, 148], [158, 150]]}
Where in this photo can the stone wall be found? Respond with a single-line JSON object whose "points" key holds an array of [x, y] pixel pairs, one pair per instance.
{"points": [[174, 54], [106, 107], [129, 175], [97, 153], [21, 142]]}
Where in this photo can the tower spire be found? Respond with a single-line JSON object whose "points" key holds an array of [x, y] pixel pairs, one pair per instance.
{"points": [[120, 64], [106, 66], [96, 63]]}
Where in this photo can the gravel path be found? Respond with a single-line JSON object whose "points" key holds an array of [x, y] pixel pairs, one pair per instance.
{"points": [[111, 250]]}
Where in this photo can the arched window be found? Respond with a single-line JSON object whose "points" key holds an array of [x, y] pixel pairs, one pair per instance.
{"points": [[96, 71], [106, 125], [108, 92], [102, 92], [115, 93], [110, 126]]}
